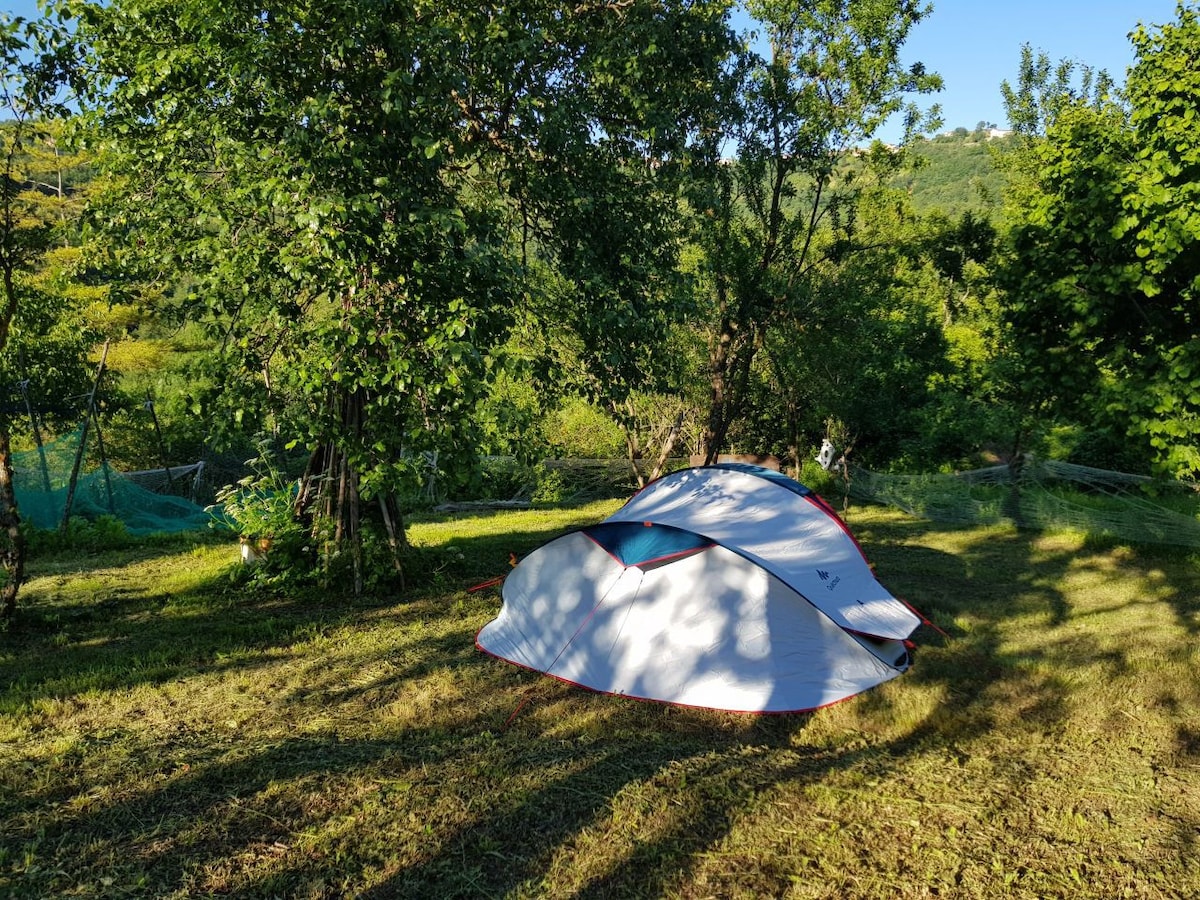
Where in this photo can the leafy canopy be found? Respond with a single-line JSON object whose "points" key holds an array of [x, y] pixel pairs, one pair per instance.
{"points": [[1105, 269]]}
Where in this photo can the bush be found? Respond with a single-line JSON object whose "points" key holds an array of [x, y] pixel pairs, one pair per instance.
{"points": [[261, 505], [105, 533], [551, 487], [812, 476], [1100, 448], [580, 430], [503, 478]]}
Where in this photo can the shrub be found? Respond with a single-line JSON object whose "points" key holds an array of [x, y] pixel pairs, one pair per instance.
{"points": [[104, 533], [580, 430], [551, 487]]}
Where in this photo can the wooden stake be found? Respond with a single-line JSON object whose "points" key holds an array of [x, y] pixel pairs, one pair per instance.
{"points": [[83, 433], [162, 449], [104, 462]]}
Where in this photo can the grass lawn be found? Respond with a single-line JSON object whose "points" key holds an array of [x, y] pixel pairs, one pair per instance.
{"points": [[166, 732]]}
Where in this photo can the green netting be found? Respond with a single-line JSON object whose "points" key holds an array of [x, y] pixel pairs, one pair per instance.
{"points": [[42, 476], [1046, 494]]}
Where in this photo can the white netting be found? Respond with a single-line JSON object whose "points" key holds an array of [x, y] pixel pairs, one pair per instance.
{"points": [[173, 480], [1045, 494]]}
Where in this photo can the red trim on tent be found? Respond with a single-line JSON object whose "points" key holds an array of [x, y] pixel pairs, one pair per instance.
{"points": [[819, 502], [924, 621], [486, 584], [592, 690]]}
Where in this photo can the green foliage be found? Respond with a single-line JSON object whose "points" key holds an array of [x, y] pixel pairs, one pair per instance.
{"points": [[1099, 447], [766, 221], [578, 429], [280, 548], [511, 417], [263, 503], [400, 232], [826, 483], [44, 361], [349, 196], [82, 536], [957, 174], [613, 236], [36, 62], [602, 201], [552, 486], [894, 341], [504, 478], [1104, 265], [325, 225], [1044, 90]]}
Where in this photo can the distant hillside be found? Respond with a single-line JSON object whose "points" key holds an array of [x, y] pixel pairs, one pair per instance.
{"points": [[959, 174]]}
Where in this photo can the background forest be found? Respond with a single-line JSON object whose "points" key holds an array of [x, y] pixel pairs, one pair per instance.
{"points": [[394, 253]]}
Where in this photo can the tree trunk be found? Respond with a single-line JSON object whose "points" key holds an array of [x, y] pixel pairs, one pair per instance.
{"points": [[729, 378], [793, 433], [393, 523], [632, 450], [329, 494], [717, 423], [353, 515], [12, 548], [667, 446]]}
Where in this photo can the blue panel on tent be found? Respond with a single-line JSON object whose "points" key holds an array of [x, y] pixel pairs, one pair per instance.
{"points": [[769, 474], [639, 544]]}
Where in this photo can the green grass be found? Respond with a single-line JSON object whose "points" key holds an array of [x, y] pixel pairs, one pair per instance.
{"points": [[165, 732]]}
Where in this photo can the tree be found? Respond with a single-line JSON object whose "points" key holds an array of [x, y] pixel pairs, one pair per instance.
{"points": [[868, 351], [765, 218], [44, 360], [598, 189], [1160, 218], [1104, 264], [1045, 89], [35, 64], [339, 188], [305, 172]]}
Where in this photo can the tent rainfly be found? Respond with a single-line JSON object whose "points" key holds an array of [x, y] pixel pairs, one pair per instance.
{"points": [[725, 587]]}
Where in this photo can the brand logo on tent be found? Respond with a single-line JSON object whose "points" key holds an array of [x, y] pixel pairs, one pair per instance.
{"points": [[822, 574]]}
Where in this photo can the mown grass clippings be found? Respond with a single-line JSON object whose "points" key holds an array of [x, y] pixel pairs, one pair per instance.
{"points": [[166, 733]]}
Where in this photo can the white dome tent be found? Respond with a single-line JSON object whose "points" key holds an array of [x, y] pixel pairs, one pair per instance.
{"points": [[725, 587]]}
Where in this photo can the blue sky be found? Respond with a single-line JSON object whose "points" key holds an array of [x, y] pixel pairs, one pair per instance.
{"points": [[976, 44]]}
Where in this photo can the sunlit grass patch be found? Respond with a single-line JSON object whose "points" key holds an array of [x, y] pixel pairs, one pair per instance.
{"points": [[165, 733]]}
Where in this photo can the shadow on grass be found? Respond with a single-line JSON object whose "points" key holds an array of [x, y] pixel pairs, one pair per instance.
{"points": [[1001, 577], [126, 633], [581, 796], [131, 637]]}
